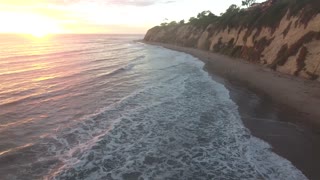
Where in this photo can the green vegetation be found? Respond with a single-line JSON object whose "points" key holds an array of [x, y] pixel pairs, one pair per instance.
{"points": [[267, 14], [203, 19], [248, 3], [164, 24], [172, 23], [229, 18], [250, 21]]}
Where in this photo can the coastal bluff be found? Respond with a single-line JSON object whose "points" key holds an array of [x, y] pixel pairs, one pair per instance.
{"points": [[283, 35]]}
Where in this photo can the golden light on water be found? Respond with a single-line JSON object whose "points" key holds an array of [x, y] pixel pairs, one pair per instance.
{"points": [[15, 149], [39, 34]]}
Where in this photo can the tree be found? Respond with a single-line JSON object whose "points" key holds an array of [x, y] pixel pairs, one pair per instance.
{"points": [[181, 22], [248, 3], [230, 17], [164, 24], [203, 19], [204, 14], [172, 23], [192, 19], [233, 8]]}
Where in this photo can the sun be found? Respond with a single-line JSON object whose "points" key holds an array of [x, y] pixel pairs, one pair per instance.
{"points": [[36, 25]]}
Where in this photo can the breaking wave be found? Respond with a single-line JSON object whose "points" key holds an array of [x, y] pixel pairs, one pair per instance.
{"points": [[156, 115]]}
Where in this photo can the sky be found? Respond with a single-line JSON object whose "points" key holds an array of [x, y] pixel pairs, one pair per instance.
{"points": [[99, 16]]}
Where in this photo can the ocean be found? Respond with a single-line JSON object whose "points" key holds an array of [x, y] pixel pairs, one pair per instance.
{"points": [[110, 107]]}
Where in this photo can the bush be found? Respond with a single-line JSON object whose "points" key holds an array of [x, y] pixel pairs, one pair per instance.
{"points": [[258, 16], [203, 19]]}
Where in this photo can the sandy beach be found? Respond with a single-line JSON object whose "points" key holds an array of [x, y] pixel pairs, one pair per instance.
{"points": [[280, 109], [297, 93]]}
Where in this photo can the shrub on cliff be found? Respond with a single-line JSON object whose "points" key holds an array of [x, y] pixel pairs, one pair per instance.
{"points": [[172, 23], [266, 14], [273, 11], [229, 18], [203, 19], [248, 3]]}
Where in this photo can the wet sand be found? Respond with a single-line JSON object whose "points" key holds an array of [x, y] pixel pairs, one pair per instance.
{"points": [[280, 109]]}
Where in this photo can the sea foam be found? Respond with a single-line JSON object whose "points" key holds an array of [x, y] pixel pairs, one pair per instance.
{"points": [[181, 125]]}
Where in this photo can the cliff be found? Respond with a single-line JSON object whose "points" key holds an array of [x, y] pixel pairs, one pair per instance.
{"points": [[283, 35]]}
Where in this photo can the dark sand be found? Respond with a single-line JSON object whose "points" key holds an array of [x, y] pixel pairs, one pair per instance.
{"points": [[282, 110]]}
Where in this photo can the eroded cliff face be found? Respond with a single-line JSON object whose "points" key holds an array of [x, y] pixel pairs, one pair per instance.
{"points": [[183, 35], [292, 47]]}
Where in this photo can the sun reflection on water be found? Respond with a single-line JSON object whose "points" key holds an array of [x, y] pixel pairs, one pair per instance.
{"points": [[27, 74]]}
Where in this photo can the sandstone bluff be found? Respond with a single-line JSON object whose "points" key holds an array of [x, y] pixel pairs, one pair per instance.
{"points": [[283, 35]]}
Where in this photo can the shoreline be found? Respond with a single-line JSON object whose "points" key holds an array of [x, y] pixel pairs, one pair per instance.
{"points": [[279, 109], [297, 93]]}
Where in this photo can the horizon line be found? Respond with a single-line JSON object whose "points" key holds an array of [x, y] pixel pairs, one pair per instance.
{"points": [[4, 33]]}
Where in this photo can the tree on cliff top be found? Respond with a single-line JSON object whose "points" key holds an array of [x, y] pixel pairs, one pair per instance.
{"points": [[172, 23], [230, 17], [181, 22], [248, 3], [204, 14], [203, 19], [164, 24], [268, 14]]}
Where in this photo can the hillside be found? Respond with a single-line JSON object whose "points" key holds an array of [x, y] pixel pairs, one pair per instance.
{"points": [[281, 34]]}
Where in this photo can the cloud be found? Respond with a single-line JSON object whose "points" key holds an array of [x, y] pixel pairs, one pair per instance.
{"points": [[133, 3], [168, 2], [139, 3], [136, 3]]}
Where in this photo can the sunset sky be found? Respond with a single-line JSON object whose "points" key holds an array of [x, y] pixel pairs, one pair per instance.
{"points": [[99, 16]]}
